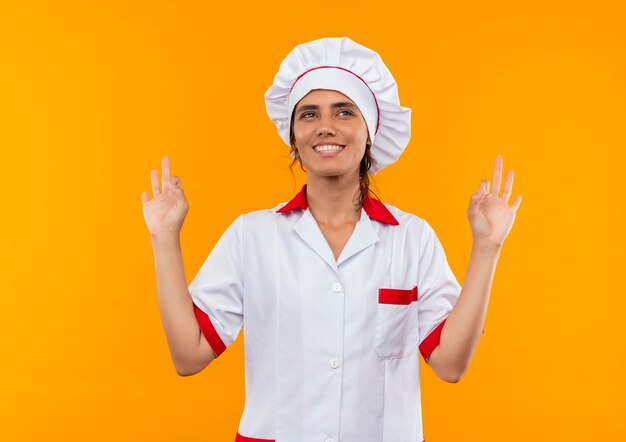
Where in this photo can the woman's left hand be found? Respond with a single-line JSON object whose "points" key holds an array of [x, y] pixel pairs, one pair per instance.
{"points": [[490, 215]]}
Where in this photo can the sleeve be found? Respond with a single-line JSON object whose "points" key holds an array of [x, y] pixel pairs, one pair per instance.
{"points": [[438, 291], [217, 290]]}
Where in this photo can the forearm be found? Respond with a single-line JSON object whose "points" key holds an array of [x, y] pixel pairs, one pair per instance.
{"points": [[175, 303], [463, 327]]}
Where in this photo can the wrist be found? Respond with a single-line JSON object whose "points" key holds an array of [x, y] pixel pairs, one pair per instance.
{"points": [[165, 239], [484, 245]]}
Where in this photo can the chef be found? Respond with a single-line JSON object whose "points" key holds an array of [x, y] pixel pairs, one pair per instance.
{"points": [[339, 293]]}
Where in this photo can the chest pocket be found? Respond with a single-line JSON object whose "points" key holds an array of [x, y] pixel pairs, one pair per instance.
{"points": [[396, 334]]}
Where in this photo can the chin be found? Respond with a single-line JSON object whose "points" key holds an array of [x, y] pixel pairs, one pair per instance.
{"points": [[331, 171]]}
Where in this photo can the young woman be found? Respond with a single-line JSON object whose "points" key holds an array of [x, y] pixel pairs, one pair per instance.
{"points": [[338, 293]]}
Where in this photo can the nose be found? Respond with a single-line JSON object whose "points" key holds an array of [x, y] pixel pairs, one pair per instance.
{"points": [[325, 130], [326, 127]]}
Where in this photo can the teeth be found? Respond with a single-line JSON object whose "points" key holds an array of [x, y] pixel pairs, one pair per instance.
{"points": [[328, 148]]}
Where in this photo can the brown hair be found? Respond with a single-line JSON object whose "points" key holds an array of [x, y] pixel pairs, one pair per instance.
{"points": [[364, 176]]}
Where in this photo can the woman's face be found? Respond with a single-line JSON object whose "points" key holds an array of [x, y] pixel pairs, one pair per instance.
{"points": [[330, 133]]}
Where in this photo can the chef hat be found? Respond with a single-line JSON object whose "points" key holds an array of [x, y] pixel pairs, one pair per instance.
{"points": [[358, 72]]}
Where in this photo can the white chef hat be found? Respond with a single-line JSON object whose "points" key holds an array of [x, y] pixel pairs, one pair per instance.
{"points": [[358, 72]]}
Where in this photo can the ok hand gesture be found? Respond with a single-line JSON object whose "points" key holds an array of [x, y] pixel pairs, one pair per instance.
{"points": [[166, 211], [490, 215]]}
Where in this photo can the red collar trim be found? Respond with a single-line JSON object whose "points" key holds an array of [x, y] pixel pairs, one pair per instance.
{"points": [[375, 209]]}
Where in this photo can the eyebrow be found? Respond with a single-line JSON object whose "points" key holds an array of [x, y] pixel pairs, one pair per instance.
{"points": [[334, 105]]}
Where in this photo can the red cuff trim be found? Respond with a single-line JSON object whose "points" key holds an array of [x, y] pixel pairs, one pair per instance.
{"points": [[397, 296], [430, 343], [209, 331], [241, 438]]}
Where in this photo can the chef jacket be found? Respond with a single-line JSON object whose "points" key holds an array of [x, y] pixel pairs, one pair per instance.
{"points": [[331, 346]]}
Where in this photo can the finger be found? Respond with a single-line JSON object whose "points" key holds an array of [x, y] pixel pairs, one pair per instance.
{"points": [[475, 203], [508, 185], [165, 165], [476, 197], [175, 181], [497, 175], [144, 197], [484, 186], [516, 202], [154, 177]]}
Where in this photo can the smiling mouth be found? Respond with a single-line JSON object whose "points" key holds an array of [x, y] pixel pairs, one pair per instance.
{"points": [[329, 148]]}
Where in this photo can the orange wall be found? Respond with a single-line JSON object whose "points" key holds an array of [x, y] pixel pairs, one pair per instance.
{"points": [[93, 94]]}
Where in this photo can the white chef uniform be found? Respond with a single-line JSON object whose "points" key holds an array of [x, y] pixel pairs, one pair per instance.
{"points": [[331, 346]]}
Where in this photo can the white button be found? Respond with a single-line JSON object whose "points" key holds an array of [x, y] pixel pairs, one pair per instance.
{"points": [[329, 439], [334, 362], [337, 287]]}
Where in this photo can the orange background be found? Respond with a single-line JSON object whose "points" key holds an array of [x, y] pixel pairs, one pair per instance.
{"points": [[93, 94]]}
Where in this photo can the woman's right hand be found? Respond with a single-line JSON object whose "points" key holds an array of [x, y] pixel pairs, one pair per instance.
{"points": [[166, 211]]}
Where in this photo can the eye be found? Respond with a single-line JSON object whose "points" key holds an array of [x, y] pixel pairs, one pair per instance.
{"points": [[303, 115], [346, 111]]}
